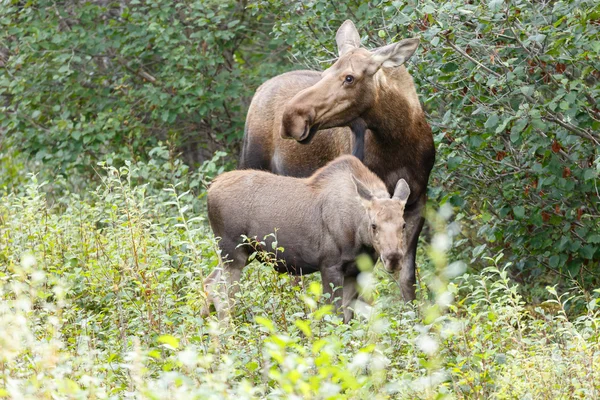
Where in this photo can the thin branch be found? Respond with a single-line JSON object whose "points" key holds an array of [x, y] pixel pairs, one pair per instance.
{"points": [[577, 131], [140, 72], [464, 54]]}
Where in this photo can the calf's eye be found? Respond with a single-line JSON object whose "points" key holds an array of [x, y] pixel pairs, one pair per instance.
{"points": [[349, 79], [374, 227]]}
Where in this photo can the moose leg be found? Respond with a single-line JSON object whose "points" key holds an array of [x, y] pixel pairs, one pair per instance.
{"points": [[359, 128], [350, 295], [333, 282], [209, 288], [413, 215], [222, 285]]}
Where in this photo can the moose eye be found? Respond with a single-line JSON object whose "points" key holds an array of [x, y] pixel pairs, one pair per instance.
{"points": [[374, 227], [404, 225], [349, 79]]}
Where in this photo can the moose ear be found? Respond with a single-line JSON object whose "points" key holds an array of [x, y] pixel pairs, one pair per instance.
{"points": [[395, 54], [402, 191], [347, 37], [362, 190]]}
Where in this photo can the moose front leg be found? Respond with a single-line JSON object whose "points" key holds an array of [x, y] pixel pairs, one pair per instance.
{"points": [[349, 297], [413, 215], [359, 128], [333, 282]]}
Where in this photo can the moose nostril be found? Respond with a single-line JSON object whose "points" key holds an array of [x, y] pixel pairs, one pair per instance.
{"points": [[393, 257]]}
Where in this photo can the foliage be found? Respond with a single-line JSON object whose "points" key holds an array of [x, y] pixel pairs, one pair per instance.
{"points": [[100, 80], [510, 89], [511, 92], [101, 297], [100, 289]]}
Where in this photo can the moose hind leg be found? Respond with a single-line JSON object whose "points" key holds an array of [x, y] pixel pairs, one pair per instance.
{"points": [[223, 284], [210, 289]]}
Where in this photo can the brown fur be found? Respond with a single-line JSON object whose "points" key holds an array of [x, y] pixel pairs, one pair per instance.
{"points": [[398, 142], [323, 222]]}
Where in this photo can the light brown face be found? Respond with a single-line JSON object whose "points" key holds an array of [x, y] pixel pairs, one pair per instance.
{"points": [[386, 224], [387, 229], [346, 90]]}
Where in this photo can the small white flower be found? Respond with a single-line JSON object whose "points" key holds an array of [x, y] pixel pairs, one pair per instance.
{"points": [[441, 242], [455, 269], [427, 344], [27, 261]]}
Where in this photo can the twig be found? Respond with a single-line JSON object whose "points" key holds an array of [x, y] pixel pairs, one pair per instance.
{"points": [[462, 53], [140, 72]]}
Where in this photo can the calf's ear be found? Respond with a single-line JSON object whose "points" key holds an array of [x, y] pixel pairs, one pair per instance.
{"points": [[395, 54], [362, 190], [402, 191]]}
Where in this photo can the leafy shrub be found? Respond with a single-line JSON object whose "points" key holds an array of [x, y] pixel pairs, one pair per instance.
{"points": [[87, 80]]}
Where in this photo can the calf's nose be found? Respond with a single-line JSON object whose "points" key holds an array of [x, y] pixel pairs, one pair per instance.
{"points": [[392, 259]]}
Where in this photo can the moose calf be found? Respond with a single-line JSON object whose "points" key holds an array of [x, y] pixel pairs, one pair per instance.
{"points": [[323, 222]]}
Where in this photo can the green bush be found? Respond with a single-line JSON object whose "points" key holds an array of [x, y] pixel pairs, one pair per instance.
{"points": [[83, 81], [510, 89]]}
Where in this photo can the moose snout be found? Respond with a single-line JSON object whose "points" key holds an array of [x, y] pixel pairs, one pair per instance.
{"points": [[296, 124], [392, 260], [297, 119]]}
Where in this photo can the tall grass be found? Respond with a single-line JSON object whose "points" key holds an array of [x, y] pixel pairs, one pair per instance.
{"points": [[100, 297]]}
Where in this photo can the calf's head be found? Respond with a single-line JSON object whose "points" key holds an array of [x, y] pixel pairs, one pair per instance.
{"points": [[346, 90], [386, 223]]}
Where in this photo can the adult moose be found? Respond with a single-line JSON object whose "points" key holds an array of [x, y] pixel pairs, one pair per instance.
{"points": [[361, 89]]}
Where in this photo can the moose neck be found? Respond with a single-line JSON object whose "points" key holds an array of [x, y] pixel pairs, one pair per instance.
{"points": [[394, 118], [401, 143]]}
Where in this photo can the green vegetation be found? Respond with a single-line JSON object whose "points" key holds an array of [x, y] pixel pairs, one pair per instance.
{"points": [[115, 116], [100, 298]]}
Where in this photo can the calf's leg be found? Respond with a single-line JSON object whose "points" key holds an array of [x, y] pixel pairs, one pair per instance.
{"points": [[222, 284], [333, 282], [350, 294]]}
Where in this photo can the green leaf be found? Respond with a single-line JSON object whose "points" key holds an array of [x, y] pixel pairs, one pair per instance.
{"points": [[170, 341], [492, 121], [527, 90], [252, 366], [454, 162], [587, 251], [267, 323], [304, 326], [519, 211], [519, 126], [589, 174], [449, 67], [495, 5], [594, 239]]}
